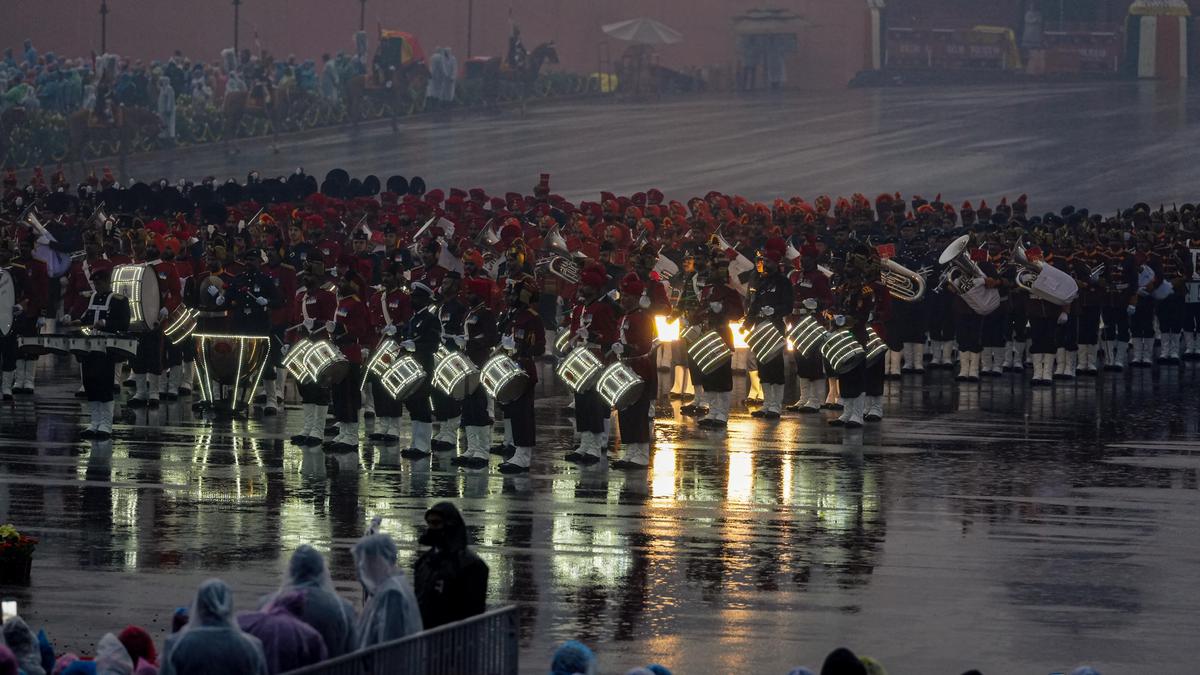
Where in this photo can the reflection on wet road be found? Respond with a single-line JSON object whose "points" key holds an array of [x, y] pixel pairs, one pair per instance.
{"points": [[988, 525]]}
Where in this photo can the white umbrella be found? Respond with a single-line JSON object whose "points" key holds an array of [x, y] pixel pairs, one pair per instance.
{"points": [[643, 31]]}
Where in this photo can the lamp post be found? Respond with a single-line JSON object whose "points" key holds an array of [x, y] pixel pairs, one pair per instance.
{"points": [[470, 23], [103, 26], [237, 5], [362, 15]]}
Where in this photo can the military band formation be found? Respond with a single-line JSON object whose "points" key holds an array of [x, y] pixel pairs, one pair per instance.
{"points": [[381, 300]]}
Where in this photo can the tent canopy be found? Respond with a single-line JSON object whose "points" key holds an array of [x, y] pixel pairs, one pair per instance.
{"points": [[643, 31]]}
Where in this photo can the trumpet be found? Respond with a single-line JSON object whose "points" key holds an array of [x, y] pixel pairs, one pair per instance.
{"points": [[903, 283]]}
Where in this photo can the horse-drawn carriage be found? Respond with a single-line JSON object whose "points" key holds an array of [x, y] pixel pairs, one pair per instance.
{"points": [[396, 81]]}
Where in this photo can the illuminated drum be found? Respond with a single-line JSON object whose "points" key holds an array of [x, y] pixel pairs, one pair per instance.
{"points": [[766, 341], [580, 370], [42, 344], [138, 283], [295, 364], [875, 347], [806, 335], [386, 353], [842, 352], [235, 361], [181, 324], [692, 334], [120, 349], [619, 386], [503, 378], [326, 363], [454, 374], [710, 352], [562, 341], [403, 379]]}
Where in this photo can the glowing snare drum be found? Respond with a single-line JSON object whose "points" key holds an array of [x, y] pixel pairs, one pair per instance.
{"points": [[138, 283], [766, 341], [404, 378], [455, 375], [562, 341], [807, 335], [710, 352], [181, 324], [619, 386], [580, 370], [295, 362], [842, 352], [503, 378], [875, 346], [326, 363], [386, 353], [692, 334]]}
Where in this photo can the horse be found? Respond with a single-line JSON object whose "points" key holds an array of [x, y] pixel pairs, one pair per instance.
{"points": [[524, 76], [402, 87], [129, 123], [238, 105]]}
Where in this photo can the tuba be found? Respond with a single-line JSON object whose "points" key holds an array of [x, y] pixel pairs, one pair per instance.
{"points": [[903, 283], [966, 279], [1042, 281], [557, 260]]}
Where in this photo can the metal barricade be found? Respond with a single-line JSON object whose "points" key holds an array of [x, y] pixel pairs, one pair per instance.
{"points": [[487, 644]]}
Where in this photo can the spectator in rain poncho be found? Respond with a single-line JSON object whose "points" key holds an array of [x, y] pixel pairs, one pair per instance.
{"points": [[288, 643], [211, 643], [24, 645], [166, 107], [391, 610], [443, 68], [572, 658], [235, 83], [8, 661], [139, 644], [450, 581], [112, 658], [330, 82], [842, 661], [324, 610], [201, 93]]}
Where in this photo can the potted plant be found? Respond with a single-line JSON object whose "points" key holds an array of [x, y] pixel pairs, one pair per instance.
{"points": [[16, 556]]}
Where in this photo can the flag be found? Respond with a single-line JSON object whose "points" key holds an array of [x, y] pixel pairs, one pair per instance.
{"points": [[741, 268], [447, 260]]}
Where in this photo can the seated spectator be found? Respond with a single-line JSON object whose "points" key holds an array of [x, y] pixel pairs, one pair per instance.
{"points": [[211, 643], [324, 610], [288, 643], [573, 658]]}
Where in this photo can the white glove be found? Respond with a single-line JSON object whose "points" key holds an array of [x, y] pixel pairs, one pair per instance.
{"points": [[309, 323], [67, 318], [330, 325], [389, 330], [365, 352], [582, 333], [163, 313], [460, 340], [17, 309], [1143, 292], [839, 319], [767, 311], [408, 346], [618, 348], [810, 303], [220, 300], [213, 291], [508, 343], [1062, 318], [285, 350], [261, 301], [1131, 309], [716, 307]]}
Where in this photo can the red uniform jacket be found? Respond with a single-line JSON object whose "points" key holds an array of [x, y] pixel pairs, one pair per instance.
{"points": [[320, 305], [530, 335], [170, 289], [600, 318], [430, 276], [388, 308], [637, 337], [353, 331], [285, 283], [79, 278], [37, 284], [731, 310], [806, 285], [882, 312]]}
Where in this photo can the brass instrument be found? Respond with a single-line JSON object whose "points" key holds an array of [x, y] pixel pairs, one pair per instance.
{"points": [[966, 279], [1042, 281], [903, 283]]}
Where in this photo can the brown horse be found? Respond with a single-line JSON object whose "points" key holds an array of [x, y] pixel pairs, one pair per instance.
{"points": [[496, 71], [403, 88], [239, 106], [130, 123]]}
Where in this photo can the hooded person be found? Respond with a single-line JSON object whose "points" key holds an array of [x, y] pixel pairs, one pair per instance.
{"points": [[139, 644], [19, 637], [112, 658], [323, 609], [842, 661], [450, 580], [288, 642], [211, 643], [572, 658], [391, 610], [8, 661]]}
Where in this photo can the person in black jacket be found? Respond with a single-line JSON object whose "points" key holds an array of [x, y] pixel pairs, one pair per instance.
{"points": [[450, 580]]}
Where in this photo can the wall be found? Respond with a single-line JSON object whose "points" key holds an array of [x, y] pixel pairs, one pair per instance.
{"points": [[830, 53]]}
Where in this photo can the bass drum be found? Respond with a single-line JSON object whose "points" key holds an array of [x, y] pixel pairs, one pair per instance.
{"points": [[138, 283], [8, 298]]}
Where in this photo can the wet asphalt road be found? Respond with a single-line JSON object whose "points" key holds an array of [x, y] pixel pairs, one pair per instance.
{"points": [[986, 525], [1102, 145]]}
